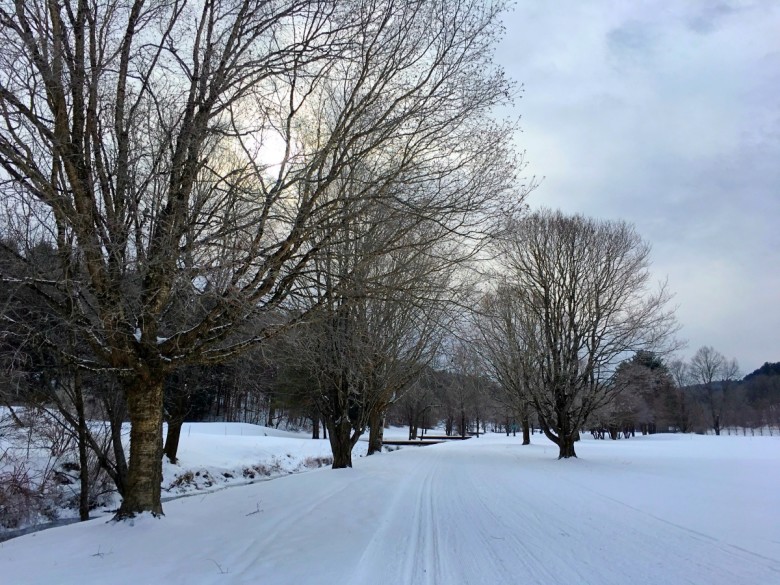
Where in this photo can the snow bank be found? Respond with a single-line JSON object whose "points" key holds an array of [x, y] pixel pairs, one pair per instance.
{"points": [[217, 455]]}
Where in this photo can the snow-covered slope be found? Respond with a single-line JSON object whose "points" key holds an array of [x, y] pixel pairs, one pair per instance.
{"points": [[649, 510], [216, 455]]}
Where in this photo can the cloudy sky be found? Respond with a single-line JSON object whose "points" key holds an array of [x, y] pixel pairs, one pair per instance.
{"points": [[665, 113]]}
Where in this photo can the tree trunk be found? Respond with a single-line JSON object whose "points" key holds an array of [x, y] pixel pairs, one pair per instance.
{"points": [[561, 435], [413, 417], [341, 445], [271, 414], [172, 437], [177, 402], [376, 432], [526, 431], [566, 447], [145, 409], [83, 461], [684, 420], [315, 427], [115, 424]]}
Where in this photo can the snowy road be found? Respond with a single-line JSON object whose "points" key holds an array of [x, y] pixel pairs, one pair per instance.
{"points": [[484, 511]]}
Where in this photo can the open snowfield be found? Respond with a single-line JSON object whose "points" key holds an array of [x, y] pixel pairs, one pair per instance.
{"points": [[665, 509]]}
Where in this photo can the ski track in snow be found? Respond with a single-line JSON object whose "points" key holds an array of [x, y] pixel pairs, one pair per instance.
{"points": [[449, 523], [478, 512]]}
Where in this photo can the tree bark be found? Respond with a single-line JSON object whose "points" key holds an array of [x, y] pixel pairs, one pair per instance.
{"points": [[566, 447], [526, 431], [145, 409], [561, 435], [376, 432], [172, 437], [115, 416], [341, 444], [83, 460], [271, 413]]}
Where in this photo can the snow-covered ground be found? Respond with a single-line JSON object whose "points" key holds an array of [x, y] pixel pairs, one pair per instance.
{"points": [[665, 509], [217, 455]]}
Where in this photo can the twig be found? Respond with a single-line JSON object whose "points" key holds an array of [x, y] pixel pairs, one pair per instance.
{"points": [[221, 570], [102, 554], [257, 511]]}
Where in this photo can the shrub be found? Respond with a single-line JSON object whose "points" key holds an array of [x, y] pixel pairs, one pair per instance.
{"points": [[314, 462]]}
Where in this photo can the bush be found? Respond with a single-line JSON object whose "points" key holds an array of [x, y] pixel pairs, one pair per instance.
{"points": [[27, 496], [313, 462], [39, 473]]}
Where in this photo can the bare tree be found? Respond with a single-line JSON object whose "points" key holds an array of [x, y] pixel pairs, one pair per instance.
{"points": [[681, 375], [504, 352], [416, 407], [46, 378], [713, 372], [384, 287], [174, 147], [580, 301], [468, 386]]}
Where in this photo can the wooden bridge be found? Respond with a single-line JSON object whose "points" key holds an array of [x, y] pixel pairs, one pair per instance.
{"points": [[425, 440]]}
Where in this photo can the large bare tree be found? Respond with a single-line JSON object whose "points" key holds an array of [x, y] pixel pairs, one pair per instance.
{"points": [[576, 300], [191, 150]]}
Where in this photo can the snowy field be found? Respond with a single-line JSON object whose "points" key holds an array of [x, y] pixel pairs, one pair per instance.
{"points": [[665, 509]]}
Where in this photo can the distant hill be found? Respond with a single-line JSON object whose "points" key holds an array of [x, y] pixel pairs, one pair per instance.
{"points": [[767, 369]]}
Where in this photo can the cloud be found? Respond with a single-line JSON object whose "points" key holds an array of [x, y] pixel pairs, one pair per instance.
{"points": [[666, 115], [708, 15], [632, 40]]}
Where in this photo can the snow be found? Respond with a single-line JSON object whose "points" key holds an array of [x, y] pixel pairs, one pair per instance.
{"points": [[648, 510], [218, 455]]}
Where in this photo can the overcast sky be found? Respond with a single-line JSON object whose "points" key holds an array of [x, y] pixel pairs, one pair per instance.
{"points": [[666, 114]]}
